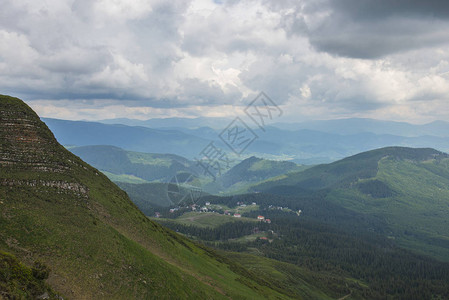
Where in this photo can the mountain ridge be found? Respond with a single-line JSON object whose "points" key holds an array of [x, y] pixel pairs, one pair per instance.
{"points": [[406, 186]]}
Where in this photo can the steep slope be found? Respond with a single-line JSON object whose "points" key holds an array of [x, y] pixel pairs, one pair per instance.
{"points": [[407, 187], [58, 210]]}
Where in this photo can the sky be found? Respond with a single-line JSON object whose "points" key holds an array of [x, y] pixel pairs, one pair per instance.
{"points": [[316, 59]]}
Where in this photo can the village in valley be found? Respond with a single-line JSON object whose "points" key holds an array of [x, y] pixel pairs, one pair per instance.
{"points": [[211, 215], [223, 210]]}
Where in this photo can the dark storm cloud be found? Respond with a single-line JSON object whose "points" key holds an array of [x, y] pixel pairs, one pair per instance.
{"points": [[381, 9], [375, 28]]}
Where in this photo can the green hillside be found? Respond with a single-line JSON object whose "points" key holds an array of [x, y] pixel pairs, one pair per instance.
{"points": [[407, 187], [128, 166], [59, 211]]}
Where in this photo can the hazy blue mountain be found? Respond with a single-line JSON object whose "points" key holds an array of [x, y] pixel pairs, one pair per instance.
{"points": [[303, 146], [347, 126], [313, 147], [361, 125], [132, 138]]}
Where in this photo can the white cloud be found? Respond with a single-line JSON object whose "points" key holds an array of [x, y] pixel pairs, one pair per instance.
{"points": [[204, 57]]}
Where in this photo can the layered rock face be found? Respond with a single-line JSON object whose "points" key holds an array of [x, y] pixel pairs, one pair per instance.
{"points": [[29, 151]]}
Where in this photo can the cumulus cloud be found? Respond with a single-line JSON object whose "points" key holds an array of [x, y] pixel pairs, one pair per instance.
{"points": [[315, 58]]}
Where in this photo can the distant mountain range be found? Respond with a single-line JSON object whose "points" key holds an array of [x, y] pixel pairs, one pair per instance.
{"points": [[362, 125], [305, 143], [132, 138], [347, 126]]}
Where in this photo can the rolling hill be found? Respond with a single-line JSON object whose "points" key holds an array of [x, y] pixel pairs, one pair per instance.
{"points": [[255, 169], [81, 229], [407, 187], [146, 166], [250, 171], [139, 174]]}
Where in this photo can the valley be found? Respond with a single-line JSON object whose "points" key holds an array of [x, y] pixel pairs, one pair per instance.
{"points": [[369, 226], [223, 149]]}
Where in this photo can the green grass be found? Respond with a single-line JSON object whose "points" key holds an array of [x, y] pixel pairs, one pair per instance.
{"points": [[206, 219], [246, 209], [248, 238], [18, 281]]}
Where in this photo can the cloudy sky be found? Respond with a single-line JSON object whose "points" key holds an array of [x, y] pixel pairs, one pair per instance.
{"points": [[317, 59]]}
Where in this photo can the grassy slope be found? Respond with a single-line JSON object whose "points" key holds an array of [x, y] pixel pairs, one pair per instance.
{"points": [[98, 245], [283, 276], [418, 213]]}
